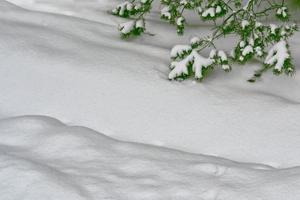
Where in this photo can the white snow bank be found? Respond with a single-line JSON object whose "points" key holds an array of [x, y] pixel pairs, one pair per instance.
{"points": [[80, 71], [42, 158]]}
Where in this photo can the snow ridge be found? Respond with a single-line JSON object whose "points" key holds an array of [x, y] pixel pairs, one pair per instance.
{"points": [[42, 157]]}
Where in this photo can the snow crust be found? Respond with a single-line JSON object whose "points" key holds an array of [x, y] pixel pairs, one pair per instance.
{"points": [[42, 158]]}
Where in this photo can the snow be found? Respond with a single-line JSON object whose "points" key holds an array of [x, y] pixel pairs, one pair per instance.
{"points": [[178, 50], [277, 55], [127, 27], [258, 51], [226, 67], [165, 12], [180, 68], [195, 40], [258, 24], [79, 70], [209, 12], [282, 12], [218, 9], [245, 24], [43, 158], [242, 44], [65, 59], [180, 21], [123, 7], [198, 63], [247, 50], [273, 28], [140, 23], [222, 55]]}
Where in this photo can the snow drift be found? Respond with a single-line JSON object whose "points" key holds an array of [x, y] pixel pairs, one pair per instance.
{"points": [[42, 158]]}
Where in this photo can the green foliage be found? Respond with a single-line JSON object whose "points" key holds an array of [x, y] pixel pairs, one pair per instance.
{"points": [[132, 28], [265, 42], [295, 3]]}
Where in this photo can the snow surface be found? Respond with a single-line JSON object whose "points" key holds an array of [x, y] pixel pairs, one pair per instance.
{"points": [[41, 158], [66, 60]]}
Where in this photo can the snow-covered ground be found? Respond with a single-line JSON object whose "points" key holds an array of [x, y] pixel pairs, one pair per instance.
{"points": [[64, 59], [41, 158]]}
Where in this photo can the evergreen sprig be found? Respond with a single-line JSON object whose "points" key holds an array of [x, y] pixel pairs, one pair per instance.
{"points": [[265, 42]]}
